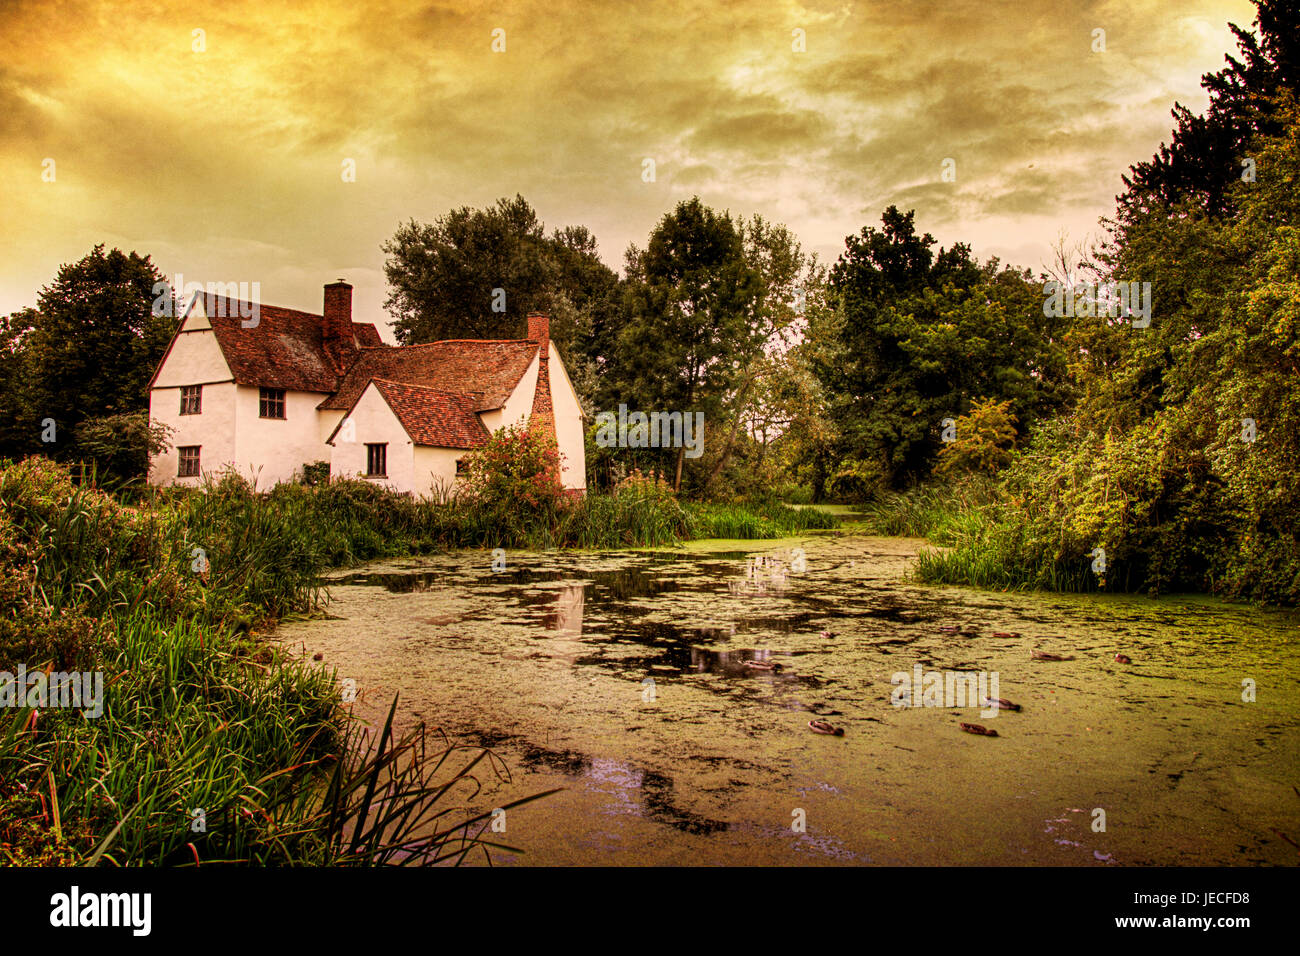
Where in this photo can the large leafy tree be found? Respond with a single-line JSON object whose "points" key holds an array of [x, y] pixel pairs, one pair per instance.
{"points": [[86, 352], [476, 273], [1184, 447], [1204, 157], [921, 335], [443, 275], [768, 394], [586, 299], [1182, 456], [15, 419], [1166, 227], [693, 325]]}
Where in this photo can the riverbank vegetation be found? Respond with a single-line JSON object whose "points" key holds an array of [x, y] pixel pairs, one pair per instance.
{"points": [[1090, 448], [1176, 465], [213, 747]]}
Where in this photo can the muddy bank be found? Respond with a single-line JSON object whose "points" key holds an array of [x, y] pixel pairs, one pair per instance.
{"points": [[624, 678]]}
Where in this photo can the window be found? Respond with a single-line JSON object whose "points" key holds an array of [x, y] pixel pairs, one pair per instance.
{"points": [[376, 461], [272, 403], [189, 461], [462, 467], [191, 399]]}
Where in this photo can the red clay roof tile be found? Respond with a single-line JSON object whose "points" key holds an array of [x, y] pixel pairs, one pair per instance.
{"points": [[488, 368], [285, 349], [435, 416], [435, 389]]}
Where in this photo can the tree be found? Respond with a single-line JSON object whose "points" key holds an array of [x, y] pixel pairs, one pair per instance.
{"points": [[121, 445], [767, 387], [16, 434], [588, 299], [1206, 153], [476, 273], [88, 350], [982, 440], [692, 303], [1211, 386], [1166, 228], [923, 334]]}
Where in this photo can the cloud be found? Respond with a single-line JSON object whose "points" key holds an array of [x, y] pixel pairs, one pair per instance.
{"points": [[214, 158]]}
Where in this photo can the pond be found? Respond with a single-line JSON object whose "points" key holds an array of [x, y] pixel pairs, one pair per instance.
{"points": [[628, 679]]}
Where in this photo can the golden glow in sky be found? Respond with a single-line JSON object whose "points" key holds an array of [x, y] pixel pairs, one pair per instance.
{"points": [[222, 153]]}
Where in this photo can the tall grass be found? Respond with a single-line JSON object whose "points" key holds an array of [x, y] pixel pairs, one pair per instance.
{"points": [[285, 537], [995, 556], [209, 748], [944, 513], [980, 542], [768, 520]]}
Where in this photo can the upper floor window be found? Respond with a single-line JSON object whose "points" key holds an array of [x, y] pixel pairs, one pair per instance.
{"points": [[271, 403], [376, 461], [189, 461], [462, 467], [191, 399]]}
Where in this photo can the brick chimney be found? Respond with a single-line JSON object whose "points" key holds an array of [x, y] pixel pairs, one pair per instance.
{"points": [[539, 327], [336, 327], [539, 331]]}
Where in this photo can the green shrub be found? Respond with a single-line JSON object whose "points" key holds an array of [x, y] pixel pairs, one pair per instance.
{"points": [[983, 440], [315, 472]]}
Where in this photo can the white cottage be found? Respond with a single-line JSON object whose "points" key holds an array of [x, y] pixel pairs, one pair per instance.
{"points": [[296, 388]]}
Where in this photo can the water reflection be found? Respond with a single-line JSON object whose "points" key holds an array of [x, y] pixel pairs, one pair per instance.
{"points": [[552, 654], [764, 573], [734, 663], [566, 615], [629, 787]]}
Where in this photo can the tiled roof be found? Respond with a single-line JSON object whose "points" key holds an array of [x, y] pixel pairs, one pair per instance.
{"points": [[435, 390], [284, 350], [487, 369], [435, 416], [367, 335]]}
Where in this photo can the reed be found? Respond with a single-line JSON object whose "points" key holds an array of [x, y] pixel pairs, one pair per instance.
{"points": [[980, 542], [210, 748]]}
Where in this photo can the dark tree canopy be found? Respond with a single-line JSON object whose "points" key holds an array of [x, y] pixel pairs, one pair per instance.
{"points": [[1204, 157], [86, 351], [922, 336], [692, 314], [476, 273]]}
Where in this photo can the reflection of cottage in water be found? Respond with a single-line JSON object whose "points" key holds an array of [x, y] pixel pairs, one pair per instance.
{"points": [[566, 614], [764, 573]]}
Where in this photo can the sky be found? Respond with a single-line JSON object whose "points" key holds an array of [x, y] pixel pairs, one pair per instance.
{"points": [[218, 137]]}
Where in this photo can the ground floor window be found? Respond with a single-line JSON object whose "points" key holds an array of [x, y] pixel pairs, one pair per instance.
{"points": [[376, 460], [462, 467], [189, 461], [271, 403]]}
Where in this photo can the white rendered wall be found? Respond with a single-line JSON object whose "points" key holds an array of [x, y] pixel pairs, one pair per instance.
{"points": [[568, 417], [435, 470], [568, 426], [213, 429], [374, 422], [194, 358], [272, 450], [327, 419]]}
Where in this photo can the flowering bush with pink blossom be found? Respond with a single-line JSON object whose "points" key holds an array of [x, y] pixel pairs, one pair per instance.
{"points": [[518, 468]]}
